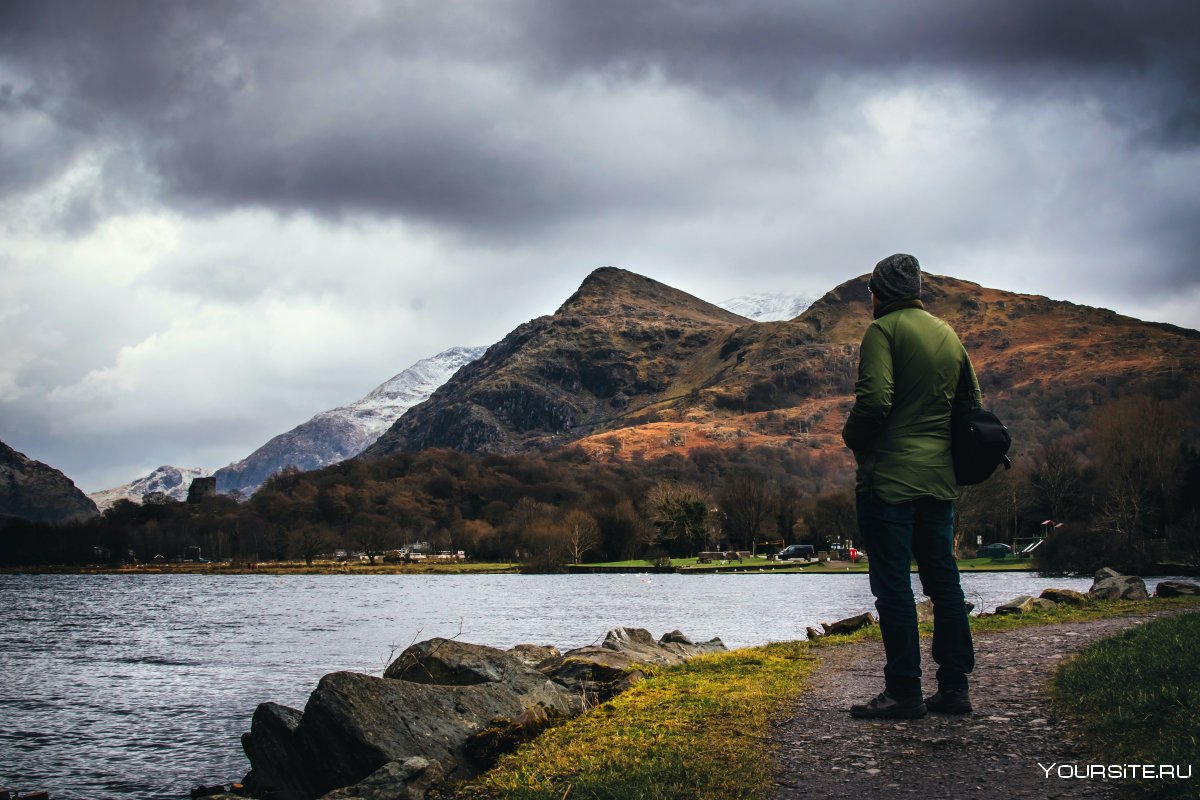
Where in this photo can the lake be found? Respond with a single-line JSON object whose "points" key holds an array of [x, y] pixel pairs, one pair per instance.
{"points": [[140, 686]]}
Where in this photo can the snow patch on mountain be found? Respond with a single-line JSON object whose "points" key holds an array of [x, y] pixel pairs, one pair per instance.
{"points": [[766, 307], [341, 433], [171, 481]]}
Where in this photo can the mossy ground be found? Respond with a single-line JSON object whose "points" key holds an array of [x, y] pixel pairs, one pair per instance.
{"points": [[699, 730]]}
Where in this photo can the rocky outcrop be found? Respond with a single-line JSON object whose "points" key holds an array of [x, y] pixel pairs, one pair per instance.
{"points": [[1024, 604], [409, 779], [444, 709], [1068, 596], [33, 491], [1177, 589], [598, 673], [1109, 584]]}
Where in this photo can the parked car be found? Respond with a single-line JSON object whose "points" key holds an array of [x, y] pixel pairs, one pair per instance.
{"points": [[792, 551], [994, 550]]}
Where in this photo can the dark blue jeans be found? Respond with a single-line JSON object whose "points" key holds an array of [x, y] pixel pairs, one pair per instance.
{"points": [[893, 536]]}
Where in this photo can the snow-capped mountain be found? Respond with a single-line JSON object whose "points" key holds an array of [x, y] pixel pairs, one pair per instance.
{"points": [[171, 481], [764, 307], [341, 433]]}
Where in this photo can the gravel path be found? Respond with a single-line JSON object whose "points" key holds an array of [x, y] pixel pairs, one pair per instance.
{"points": [[993, 753]]}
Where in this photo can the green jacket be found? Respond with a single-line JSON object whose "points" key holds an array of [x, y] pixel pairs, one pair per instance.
{"points": [[912, 370]]}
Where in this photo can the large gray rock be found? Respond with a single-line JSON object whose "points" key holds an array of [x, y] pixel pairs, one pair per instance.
{"points": [[410, 779], [450, 706], [448, 662], [1177, 589], [536, 656], [270, 747], [1068, 596], [1111, 585], [354, 724], [596, 673], [1023, 604], [679, 643]]}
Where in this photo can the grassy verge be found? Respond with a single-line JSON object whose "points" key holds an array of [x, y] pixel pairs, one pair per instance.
{"points": [[703, 730], [1060, 614], [700, 730], [1136, 700], [693, 566]]}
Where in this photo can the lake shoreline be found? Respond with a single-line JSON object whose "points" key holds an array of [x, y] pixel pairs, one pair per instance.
{"points": [[468, 568]]}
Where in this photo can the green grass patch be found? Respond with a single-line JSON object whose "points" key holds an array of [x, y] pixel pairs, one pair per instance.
{"points": [[994, 565], [1061, 613], [1135, 699], [699, 730]]}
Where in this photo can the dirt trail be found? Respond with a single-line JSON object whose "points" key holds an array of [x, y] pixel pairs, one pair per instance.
{"points": [[993, 753]]}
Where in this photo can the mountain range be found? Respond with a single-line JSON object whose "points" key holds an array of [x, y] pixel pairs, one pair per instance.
{"points": [[168, 480], [340, 433], [343, 432], [630, 368]]}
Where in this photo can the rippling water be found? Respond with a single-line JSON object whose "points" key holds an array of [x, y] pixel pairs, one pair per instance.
{"points": [[140, 686]]}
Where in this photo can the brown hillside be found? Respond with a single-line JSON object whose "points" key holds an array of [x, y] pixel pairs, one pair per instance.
{"points": [[615, 345], [37, 492], [630, 368]]}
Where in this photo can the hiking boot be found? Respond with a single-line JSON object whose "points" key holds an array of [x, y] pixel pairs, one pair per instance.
{"points": [[949, 701], [887, 706]]}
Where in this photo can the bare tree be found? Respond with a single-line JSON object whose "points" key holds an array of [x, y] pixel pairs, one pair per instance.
{"points": [[748, 501], [581, 533], [308, 541], [1139, 461], [1057, 480]]}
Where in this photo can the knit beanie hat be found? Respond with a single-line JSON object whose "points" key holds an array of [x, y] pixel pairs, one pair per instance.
{"points": [[897, 277]]}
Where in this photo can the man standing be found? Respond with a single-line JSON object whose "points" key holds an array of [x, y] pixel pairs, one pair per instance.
{"points": [[912, 371]]}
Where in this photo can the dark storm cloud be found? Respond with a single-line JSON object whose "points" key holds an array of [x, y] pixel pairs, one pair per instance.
{"points": [[418, 111], [1140, 59]]}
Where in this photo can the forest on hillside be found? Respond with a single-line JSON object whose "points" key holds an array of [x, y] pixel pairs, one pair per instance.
{"points": [[1123, 491]]}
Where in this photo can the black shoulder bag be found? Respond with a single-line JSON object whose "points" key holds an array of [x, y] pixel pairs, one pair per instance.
{"points": [[979, 443]]}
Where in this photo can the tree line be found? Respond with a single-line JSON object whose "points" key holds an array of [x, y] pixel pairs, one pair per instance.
{"points": [[1124, 491]]}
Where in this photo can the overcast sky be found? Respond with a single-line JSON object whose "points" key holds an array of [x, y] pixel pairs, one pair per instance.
{"points": [[219, 218]]}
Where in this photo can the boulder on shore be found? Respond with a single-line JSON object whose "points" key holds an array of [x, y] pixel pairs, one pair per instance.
{"points": [[444, 709], [396, 780], [1109, 584], [1023, 604], [596, 673], [848, 625], [1177, 589], [1068, 596]]}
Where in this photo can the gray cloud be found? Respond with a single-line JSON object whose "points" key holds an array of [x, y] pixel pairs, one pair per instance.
{"points": [[437, 113]]}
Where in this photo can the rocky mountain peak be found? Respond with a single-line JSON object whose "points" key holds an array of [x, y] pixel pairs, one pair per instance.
{"points": [[610, 291]]}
